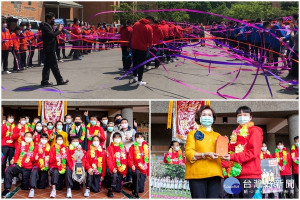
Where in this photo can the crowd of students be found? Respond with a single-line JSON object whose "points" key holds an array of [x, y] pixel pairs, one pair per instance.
{"points": [[75, 154], [206, 169]]}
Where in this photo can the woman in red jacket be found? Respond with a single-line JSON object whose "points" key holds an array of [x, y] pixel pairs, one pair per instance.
{"points": [[22, 162], [265, 154], [38, 130], [245, 143], [15, 37], [138, 161], [6, 46], [117, 164], [59, 160], [95, 166], [174, 156]]}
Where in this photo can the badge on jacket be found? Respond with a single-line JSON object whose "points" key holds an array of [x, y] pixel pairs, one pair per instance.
{"points": [[199, 135]]}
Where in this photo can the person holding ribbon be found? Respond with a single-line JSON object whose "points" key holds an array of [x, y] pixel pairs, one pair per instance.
{"points": [[295, 159], [175, 155], [95, 166], [7, 45], [22, 162], [138, 162], [203, 166], [244, 153], [41, 165], [284, 161]]}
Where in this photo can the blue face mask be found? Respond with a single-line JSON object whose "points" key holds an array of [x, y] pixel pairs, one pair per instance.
{"points": [[59, 128], [93, 122], [243, 120], [206, 121], [50, 127], [110, 129]]}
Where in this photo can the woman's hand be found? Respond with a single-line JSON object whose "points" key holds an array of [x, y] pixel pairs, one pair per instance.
{"points": [[90, 171], [212, 155], [226, 157]]}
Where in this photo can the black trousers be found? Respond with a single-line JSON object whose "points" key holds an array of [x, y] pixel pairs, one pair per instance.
{"points": [[138, 181], [115, 181], [93, 182], [126, 59], [138, 57], [8, 153], [17, 59], [155, 53], [76, 50], [23, 59], [247, 192], [166, 50], [57, 179], [295, 65], [38, 178], [287, 188], [30, 55], [51, 63], [205, 188], [296, 179], [41, 55], [276, 56], [70, 183], [245, 48], [5, 59], [13, 171], [63, 49]]}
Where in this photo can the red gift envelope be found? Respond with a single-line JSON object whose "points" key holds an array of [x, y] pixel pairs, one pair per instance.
{"points": [[222, 145]]}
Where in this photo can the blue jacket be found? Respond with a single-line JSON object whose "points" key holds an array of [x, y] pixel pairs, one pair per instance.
{"points": [[242, 36], [255, 34], [275, 43]]}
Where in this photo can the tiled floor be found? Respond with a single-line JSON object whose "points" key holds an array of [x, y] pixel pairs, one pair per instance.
{"points": [[78, 194]]}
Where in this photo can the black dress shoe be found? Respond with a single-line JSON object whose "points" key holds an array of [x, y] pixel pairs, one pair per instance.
{"points": [[63, 82], [135, 195], [46, 84], [4, 193], [110, 194]]}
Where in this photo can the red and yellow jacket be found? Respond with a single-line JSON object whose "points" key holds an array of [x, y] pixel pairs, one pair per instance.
{"points": [[95, 130], [6, 39], [43, 153], [71, 151], [24, 156], [285, 169], [8, 138], [96, 160], [19, 132], [295, 159], [139, 157], [117, 158]]}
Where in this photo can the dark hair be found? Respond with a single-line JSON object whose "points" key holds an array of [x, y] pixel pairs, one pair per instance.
{"points": [[22, 24], [75, 20], [117, 115], [104, 116], [296, 138], [9, 115], [3, 21], [49, 15], [199, 112], [74, 138], [49, 123], [27, 23], [44, 135], [93, 116], [245, 109], [124, 119], [58, 122], [258, 20], [266, 23], [129, 22], [59, 136], [17, 28], [139, 134], [22, 117], [117, 134], [277, 143], [295, 16], [37, 124], [78, 116], [68, 115], [280, 19], [36, 117], [29, 132], [172, 143], [95, 136]]}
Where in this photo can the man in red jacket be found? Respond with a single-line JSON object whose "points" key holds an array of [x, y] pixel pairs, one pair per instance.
{"points": [[142, 37], [165, 29], [75, 37], [247, 152], [21, 163], [15, 36], [8, 140], [31, 39], [284, 161], [295, 159], [94, 128], [138, 161], [7, 44], [125, 37]]}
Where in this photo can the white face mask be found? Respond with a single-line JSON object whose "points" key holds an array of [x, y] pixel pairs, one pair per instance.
{"points": [[27, 120], [36, 121], [140, 140], [75, 144], [39, 128], [60, 142], [96, 143], [68, 121], [280, 147], [28, 139], [10, 120], [117, 140], [43, 141], [177, 148], [264, 148], [124, 125], [243, 120], [23, 122], [104, 122]]}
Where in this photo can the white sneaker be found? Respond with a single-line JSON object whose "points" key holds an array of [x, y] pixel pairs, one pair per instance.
{"points": [[141, 83], [60, 61], [69, 193], [87, 193], [135, 79], [7, 72], [31, 193], [42, 64], [14, 181], [2, 180], [53, 193], [296, 86], [148, 67]]}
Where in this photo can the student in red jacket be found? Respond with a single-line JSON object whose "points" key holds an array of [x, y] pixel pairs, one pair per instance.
{"points": [[23, 46], [20, 130], [7, 45], [94, 128], [174, 156], [62, 39], [284, 161], [246, 143], [125, 37], [138, 161], [165, 29], [295, 159], [142, 38], [15, 37], [95, 166], [31, 39], [265, 154], [117, 164], [38, 130], [41, 165], [75, 175], [59, 160], [22, 162], [76, 41], [8, 140]]}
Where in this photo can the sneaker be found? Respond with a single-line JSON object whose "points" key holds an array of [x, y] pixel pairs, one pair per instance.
{"points": [[141, 83], [14, 181], [6, 72], [148, 67], [42, 64], [2, 180], [31, 193], [168, 62], [5, 193], [135, 195], [69, 193], [110, 194], [135, 79], [53, 193], [87, 193], [60, 61]]}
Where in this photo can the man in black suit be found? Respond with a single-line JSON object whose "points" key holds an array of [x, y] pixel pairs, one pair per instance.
{"points": [[79, 131], [68, 124], [49, 47]]}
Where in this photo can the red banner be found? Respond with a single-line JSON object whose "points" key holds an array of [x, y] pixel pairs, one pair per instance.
{"points": [[52, 111], [185, 117]]}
